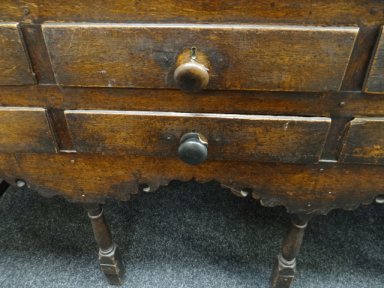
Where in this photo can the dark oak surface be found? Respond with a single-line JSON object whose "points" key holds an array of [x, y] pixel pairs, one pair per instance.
{"points": [[339, 12], [375, 77], [266, 60], [14, 62], [38, 54], [347, 104], [315, 188], [242, 57], [230, 136], [25, 130], [364, 141]]}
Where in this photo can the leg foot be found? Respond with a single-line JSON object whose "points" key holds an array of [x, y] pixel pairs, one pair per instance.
{"points": [[284, 270], [111, 265], [109, 256]]}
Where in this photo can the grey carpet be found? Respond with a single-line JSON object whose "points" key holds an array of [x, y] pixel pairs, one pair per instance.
{"points": [[185, 235]]}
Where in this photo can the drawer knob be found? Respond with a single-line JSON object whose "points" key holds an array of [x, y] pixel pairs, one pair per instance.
{"points": [[191, 76], [193, 148]]}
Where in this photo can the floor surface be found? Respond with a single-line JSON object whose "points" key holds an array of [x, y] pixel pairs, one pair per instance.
{"points": [[184, 235]]}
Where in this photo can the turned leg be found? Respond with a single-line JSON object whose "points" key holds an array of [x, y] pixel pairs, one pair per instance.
{"points": [[109, 256], [285, 267]]}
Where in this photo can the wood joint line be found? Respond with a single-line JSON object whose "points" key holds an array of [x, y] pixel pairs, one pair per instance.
{"points": [[359, 61], [60, 129], [38, 53]]}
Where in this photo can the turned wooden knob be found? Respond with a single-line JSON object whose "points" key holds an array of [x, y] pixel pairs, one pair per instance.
{"points": [[191, 76], [193, 148]]}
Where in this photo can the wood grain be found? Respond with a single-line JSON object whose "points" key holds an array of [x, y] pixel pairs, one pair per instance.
{"points": [[9, 170], [337, 130], [346, 104], [242, 57], [375, 78], [38, 54], [60, 130], [25, 130], [324, 12], [360, 58], [230, 136], [364, 142], [14, 62], [301, 188], [94, 176]]}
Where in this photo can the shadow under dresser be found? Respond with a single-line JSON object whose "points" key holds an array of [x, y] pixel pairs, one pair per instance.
{"points": [[279, 101]]}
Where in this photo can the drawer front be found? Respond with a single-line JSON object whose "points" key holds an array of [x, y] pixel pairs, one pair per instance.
{"points": [[375, 78], [364, 142], [14, 62], [239, 57], [230, 137], [25, 130]]}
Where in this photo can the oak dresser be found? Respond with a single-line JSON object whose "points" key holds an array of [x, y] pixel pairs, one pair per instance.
{"points": [[282, 101]]}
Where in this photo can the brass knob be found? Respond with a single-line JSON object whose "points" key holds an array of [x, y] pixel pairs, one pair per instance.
{"points": [[193, 148]]}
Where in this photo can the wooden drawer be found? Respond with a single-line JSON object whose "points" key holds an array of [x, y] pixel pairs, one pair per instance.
{"points": [[364, 142], [25, 130], [374, 82], [239, 57], [230, 137], [14, 63]]}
